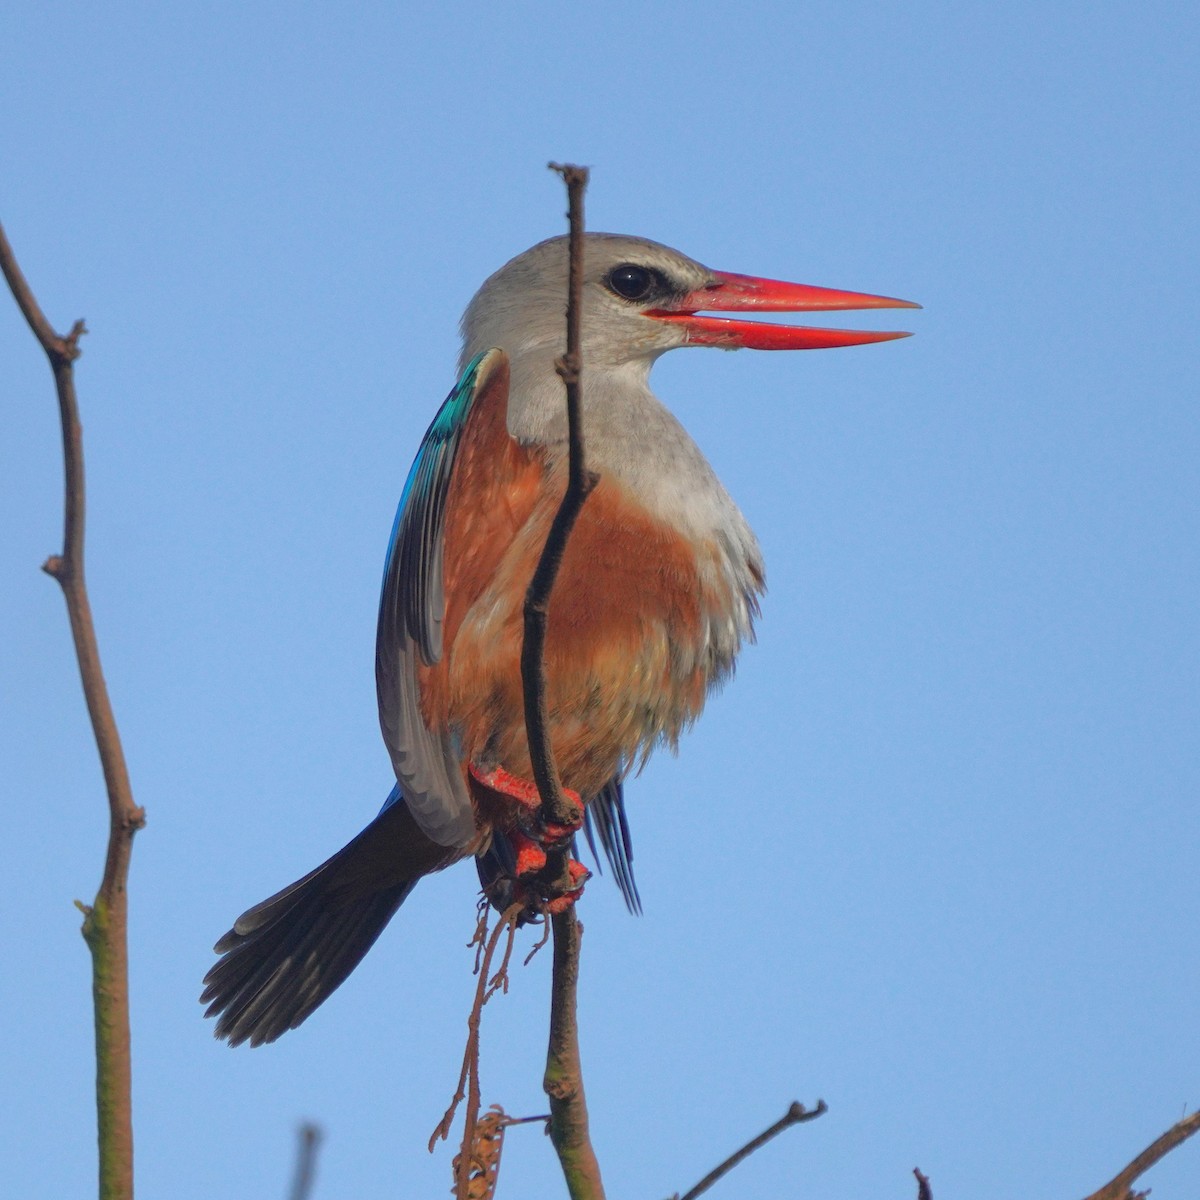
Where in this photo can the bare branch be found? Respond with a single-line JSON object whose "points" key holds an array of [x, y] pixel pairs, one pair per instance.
{"points": [[105, 921], [308, 1141], [580, 482], [924, 1191], [1121, 1187], [563, 1080], [796, 1114]]}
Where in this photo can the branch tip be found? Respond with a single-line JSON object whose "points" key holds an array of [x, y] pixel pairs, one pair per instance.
{"points": [[1121, 1186], [924, 1191], [571, 174], [796, 1114]]}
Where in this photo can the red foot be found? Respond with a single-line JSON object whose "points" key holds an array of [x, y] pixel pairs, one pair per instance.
{"points": [[526, 795], [529, 894], [530, 838], [531, 858], [579, 875], [510, 785]]}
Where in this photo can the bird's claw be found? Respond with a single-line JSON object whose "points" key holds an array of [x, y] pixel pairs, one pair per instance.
{"points": [[532, 839], [579, 875], [538, 896], [528, 801], [531, 854]]}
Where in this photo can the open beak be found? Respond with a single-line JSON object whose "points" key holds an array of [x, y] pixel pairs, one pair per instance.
{"points": [[745, 293]]}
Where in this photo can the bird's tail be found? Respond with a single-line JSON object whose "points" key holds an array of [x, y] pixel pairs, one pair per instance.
{"points": [[285, 956]]}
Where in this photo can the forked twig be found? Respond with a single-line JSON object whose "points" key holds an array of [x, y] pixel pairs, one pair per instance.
{"points": [[105, 921]]}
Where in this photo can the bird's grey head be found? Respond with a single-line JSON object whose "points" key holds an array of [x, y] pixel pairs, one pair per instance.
{"points": [[522, 307], [640, 299]]}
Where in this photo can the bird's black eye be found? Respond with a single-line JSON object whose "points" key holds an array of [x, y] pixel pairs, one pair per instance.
{"points": [[632, 282]]}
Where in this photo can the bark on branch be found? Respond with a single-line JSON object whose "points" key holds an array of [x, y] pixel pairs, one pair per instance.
{"points": [[1121, 1186], [564, 1077], [106, 919], [580, 482]]}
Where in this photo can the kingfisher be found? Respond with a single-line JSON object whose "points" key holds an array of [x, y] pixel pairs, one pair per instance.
{"points": [[658, 590]]}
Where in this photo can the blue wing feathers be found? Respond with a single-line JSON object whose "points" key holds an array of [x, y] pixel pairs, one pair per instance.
{"points": [[412, 569], [411, 607], [604, 817]]}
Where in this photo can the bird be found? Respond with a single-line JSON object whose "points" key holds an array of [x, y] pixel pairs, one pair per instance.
{"points": [[658, 591]]}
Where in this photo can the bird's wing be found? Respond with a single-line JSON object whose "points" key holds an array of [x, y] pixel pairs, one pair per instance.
{"points": [[412, 612]]}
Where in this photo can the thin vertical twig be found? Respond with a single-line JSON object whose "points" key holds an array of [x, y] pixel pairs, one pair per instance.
{"points": [[563, 1079], [580, 482], [105, 921]]}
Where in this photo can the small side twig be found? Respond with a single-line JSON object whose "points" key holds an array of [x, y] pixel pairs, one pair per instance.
{"points": [[468, 1088], [795, 1115], [547, 926], [1121, 1186], [483, 1167], [105, 921], [307, 1143]]}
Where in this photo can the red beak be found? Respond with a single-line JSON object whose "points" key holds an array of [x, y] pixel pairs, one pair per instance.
{"points": [[745, 293]]}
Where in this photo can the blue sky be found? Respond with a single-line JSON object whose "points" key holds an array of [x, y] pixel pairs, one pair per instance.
{"points": [[932, 856]]}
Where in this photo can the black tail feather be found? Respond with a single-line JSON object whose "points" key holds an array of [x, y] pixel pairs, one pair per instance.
{"points": [[286, 955], [273, 976]]}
